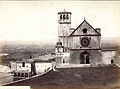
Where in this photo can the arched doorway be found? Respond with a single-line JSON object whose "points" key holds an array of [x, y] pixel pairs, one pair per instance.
{"points": [[84, 58]]}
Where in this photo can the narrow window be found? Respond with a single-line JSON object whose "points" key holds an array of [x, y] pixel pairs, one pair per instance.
{"points": [[63, 60], [63, 17], [23, 64], [112, 61], [60, 17], [67, 17]]}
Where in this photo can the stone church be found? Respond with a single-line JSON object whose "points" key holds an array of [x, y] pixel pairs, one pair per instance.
{"points": [[77, 46]]}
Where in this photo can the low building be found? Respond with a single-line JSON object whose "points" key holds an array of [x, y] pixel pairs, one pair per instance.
{"points": [[42, 66], [23, 68], [30, 68], [108, 56]]}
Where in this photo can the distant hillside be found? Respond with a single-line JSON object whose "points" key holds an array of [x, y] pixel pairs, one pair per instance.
{"points": [[106, 42], [24, 51]]}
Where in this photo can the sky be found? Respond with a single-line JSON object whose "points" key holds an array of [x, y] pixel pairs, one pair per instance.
{"points": [[37, 21]]}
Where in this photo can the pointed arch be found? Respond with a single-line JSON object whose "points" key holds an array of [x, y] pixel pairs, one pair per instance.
{"points": [[85, 58]]}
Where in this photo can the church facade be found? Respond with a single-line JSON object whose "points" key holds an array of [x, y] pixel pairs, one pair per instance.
{"points": [[77, 46]]}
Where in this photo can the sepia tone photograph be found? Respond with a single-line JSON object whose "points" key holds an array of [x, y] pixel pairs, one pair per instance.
{"points": [[60, 44]]}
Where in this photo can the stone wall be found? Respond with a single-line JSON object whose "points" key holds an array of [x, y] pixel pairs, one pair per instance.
{"points": [[107, 56], [63, 59], [94, 54]]}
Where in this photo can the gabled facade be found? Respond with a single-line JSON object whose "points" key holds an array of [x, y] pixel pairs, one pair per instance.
{"points": [[82, 44]]}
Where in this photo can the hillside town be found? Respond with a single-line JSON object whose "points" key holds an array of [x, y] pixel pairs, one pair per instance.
{"points": [[78, 52]]}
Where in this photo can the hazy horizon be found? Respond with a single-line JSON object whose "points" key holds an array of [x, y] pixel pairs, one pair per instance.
{"points": [[34, 42]]}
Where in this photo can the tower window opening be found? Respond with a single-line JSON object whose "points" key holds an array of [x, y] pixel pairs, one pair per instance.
{"points": [[60, 17], [63, 17], [67, 17], [84, 30]]}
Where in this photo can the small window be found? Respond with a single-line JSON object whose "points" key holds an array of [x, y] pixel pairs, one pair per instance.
{"points": [[67, 17], [26, 74], [60, 17], [112, 61], [14, 74], [23, 64], [22, 75], [84, 30], [30, 57], [63, 60], [63, 17]]}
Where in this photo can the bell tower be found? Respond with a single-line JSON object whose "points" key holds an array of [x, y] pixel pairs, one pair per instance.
{"points": [[64, 25]]}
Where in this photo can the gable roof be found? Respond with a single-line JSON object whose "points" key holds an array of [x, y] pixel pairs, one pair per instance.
{"points": [[89, 25]]}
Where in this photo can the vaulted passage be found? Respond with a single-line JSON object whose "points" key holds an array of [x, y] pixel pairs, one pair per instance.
{"points": [[84, 58]]}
